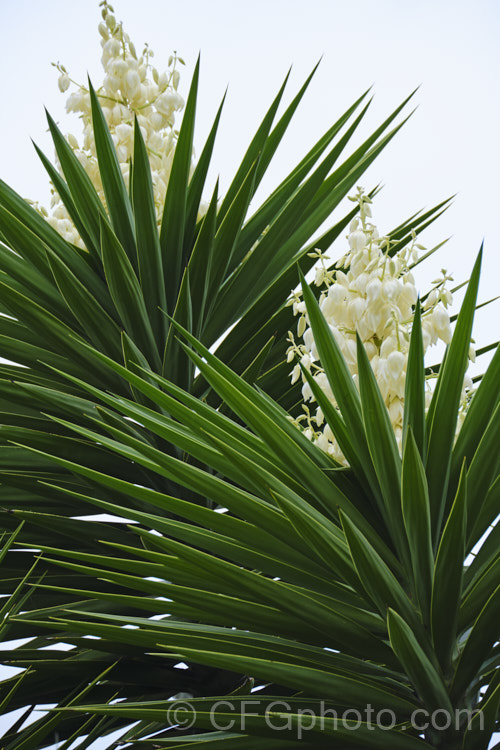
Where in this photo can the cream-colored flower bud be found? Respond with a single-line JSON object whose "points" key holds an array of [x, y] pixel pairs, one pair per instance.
{"points": [[408, 294], [441, 322], [371, 350], [364, 329], [307, 393], [356, 308], [156, 120], [337, 335], [373, 290], [63, 82], [396, 411], [118, 68], [155, 141], [327, 432], [337, 293], [357, 240], [431, 299], [165, 104], [305, 361], [328, 307], [319, 275], [123, 153], [322, 443], [125, 133], [468, 383], [323, 383], [341, 278], [103, 30], [162, 81], [60, 212], [426, 336], [111, 84], [446, 297], [112, 48], [359, 283], [350, 353], [74, 100], [388, 345], [396, 363], [391, 288], [132, 84]]}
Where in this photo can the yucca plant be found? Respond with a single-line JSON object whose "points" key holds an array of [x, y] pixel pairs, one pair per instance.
{"points": [[148, 382], [336, 590]]}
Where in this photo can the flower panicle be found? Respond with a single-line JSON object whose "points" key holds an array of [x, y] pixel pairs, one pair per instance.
{"points": [[370, 292], [132, 89]]}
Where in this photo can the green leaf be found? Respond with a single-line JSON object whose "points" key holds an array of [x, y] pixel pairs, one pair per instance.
{"points": [[414, 402], [350, 690], [83, 192], [483, 469], [483, 723], [478, 415], [443, 412], [377, 579], [275, 428], [321, 535], [282, 245], [174, 212], [338, 374], [478, 646], [127, 295], [67, 199], [115, 192], [200, 263], [32, 247], [270, 209], [335, 421], [148, 242], [416, 517], [487, 515], [383, 448], [447, 581], [227, 235], [427, 681], [254, 150], [29, 281], [197, 183], [102, 331]]}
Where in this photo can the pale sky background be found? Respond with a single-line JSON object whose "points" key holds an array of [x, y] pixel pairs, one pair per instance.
{"points": [[449, 47]]}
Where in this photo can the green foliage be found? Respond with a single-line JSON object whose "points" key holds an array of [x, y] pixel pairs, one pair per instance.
{"points": [[161, 506]]}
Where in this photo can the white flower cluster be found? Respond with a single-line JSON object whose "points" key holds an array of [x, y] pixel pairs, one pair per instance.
{"points": [[373, 294], [131, 87]]}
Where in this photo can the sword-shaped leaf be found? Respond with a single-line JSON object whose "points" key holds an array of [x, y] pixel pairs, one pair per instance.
{"points": [[115, 192]]}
